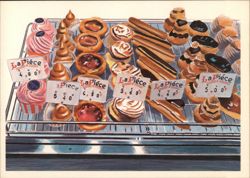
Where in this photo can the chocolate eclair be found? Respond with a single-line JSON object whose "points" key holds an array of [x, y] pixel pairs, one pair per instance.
{"points": [[60, 113], [69, 19], [59, 72], [63, 54], [179, 34], [208, 112], [231, 106], [206, 43], [88, 42], [217, 63], [198, 27]]}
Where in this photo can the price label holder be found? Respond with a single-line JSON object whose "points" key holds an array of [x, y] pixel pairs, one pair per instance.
{"points": [[93, 89], [215, 84], [131, 87], [29, 68], [64, 92], [167, 89]]}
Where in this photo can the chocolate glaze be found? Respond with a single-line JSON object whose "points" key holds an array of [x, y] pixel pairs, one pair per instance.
{"points": [[177, 102], [191, 85], [194, 50], [40, 33], [188, 61], [205, 40], [185, 35], [227, 103], [181, 22], [39, 20], [33, 85], [146, 73], [199, 26], [218, 62]]}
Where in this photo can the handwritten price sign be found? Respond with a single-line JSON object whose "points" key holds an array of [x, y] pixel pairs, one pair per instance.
{"points": [[167, 89], [23, 69], [63, 92], [131, 87], [215, 84], [93, 89]]}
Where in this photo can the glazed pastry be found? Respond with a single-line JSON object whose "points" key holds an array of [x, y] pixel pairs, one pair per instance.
{"points": [[198, 27], [125, 110], [171, 109], [67, 42], [206, 43], [63, 54], [220, 22], [217, 63], [194, 68], [189, 55], [225, 37], [122, 67], [145, 29], [31, 96], [87, 111], [62, 30], [232, 51], [231, 106], [159, 47], [179, 34], [88, 42], [59, 72], [120, 51], [208, 112], [90, 63], [94, 25], [69, 19], [41, 24], [60, 113], [176, 13], [236, 66], [39, 44]]}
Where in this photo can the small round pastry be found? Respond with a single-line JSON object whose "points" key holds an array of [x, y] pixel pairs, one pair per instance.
{"points": [[225, 37], [198, 27], [236, 66], [217, 63], [67, 41], [176, 13], [208, 112], [220, 22], [41, 24], [231, 106], [122, 67], [87, 111], [206, 43], [69, 19], [63, 54], [179, 34], [189, 55], [125, 110], [120, 51], [39, 44], [59, 72], [232, 51], [32, 96], [94, 25], [90, 63], [62, 30], [60, 113], [88, 42]]}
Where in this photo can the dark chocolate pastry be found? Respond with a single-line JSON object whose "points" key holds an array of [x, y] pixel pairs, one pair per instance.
{"points": [[199, 26], [218, 62], [205, 40]]}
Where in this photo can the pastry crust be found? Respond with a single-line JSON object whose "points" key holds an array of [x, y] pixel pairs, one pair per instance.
{"points": [[75, 78], [100, 32], [193, 32], [90, 48], [191, 96]]}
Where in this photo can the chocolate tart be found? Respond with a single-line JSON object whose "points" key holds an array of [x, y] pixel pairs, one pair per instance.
{"points": [[88, 42]]}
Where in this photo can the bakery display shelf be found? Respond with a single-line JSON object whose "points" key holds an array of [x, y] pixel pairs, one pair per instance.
{"points": [[151, 129]]}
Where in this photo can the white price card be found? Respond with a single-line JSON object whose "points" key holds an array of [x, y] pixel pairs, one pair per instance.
{"points": [[64, 92], [167, 89], [215, 84], [29, 68], [131, 87], [93, 89]]}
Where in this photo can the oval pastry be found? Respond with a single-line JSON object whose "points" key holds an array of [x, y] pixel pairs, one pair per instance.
{"points": [[217, 63], [206, 43], [88, 42], [198, 27]]}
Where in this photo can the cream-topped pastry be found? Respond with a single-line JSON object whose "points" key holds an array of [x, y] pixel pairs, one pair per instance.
{"points": [[121, 32], [121, 50], [41, 24]]}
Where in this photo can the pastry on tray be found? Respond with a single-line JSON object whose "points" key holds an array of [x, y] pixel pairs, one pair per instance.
{"points": [[94, 25], [225, 37], [176, 13], [232, 51], [69, 19], [68, 42], [90, 111], [75, 78], [90, 63], [60, 113], [217, 63], [231, 106], [220, 22], [63, 54], [236, 66], [125, 110], [62, 30], [31, 96], [198, 27], [209, 112], [206, 43], [88, 42], [42, 24], [59, 72]]}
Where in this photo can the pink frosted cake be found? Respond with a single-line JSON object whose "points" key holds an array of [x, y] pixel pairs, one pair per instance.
{"points": [[41, 24], [32, 95]]}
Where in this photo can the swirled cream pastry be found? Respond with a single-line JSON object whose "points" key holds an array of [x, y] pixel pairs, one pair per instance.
{"points": [[41, 24], [69, 19], [59, 72], [208, 112], [125, 109], [63, 54]]}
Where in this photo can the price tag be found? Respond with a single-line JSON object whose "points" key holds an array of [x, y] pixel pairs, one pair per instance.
{"points": [[215, 84], [30, 68], [167, 89], [64, 92], [93, 89], [131, 87]]}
